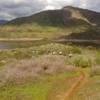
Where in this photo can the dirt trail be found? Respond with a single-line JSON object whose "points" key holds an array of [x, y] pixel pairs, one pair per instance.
{"points": [[74, 87]]}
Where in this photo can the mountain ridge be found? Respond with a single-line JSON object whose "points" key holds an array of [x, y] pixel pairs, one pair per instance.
{"points": [[64, 16], [66, 23]]}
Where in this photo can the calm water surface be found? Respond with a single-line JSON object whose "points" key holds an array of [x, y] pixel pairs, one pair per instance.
{"points": [[20, 44]]}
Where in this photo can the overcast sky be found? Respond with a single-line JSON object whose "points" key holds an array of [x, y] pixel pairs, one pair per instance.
{"points": [[10, 9]]}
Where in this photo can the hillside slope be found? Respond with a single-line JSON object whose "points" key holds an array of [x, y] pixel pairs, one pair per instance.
{"points": [[66, 16], [68, 22], [3, 22]]}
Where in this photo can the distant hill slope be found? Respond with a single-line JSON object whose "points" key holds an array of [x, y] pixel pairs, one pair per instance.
{"points": [[66, 23], [66, 16], [3, 22], [85, 14]]}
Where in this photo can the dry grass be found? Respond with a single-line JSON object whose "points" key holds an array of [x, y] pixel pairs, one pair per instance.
{"points": [[30, 69], [95, 70], [90, 90]]}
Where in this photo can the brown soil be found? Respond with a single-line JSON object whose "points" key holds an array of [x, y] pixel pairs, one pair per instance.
{"points": [[75, 86]]}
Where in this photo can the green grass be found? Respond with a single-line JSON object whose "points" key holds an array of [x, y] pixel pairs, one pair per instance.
{"points": [[40, 89], [33, 91], [84, 57], [21, 53], [82, 62], [98, 57], [38, 31]]}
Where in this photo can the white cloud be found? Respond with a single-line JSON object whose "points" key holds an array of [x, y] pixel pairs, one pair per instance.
{"points": [[49, 7], [58, 3], [90, 4]]}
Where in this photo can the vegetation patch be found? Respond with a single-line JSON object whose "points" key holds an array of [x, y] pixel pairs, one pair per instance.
{"points": [[22, 71], [38, 90]]}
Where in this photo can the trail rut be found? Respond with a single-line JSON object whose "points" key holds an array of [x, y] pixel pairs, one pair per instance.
{"points": [[74, 87]]}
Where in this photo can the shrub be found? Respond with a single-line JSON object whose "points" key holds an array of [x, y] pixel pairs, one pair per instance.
{"points": [[21, 71], [98, 57], [20, 54], [95, 70], [74, 50], [82, 62]]}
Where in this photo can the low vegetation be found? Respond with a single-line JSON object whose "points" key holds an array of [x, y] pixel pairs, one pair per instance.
{"points": [[38, 31], [95, 71], [24, 70], [28, 74], [90, 90], [82, 61], [33, 78], [98, 57], [75, 55]]}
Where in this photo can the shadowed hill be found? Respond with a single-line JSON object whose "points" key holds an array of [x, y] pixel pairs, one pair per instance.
{"points": [[3, 22], [89, 16], [89, 34], [51, 18]]}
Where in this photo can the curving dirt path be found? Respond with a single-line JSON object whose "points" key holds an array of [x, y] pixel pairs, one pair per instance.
{"points": [[75, 86]]}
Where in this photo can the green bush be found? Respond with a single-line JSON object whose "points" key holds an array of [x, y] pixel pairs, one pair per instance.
{"points": [[74, 50], [20, 54], [98, 57], [82, 62], [95, 70]]}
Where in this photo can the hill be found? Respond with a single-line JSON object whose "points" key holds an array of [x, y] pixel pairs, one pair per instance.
{"points": [[3, 22], [65, 16], [55, 24]]}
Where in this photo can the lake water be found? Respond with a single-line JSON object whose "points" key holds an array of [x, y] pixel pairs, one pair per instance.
{"points": [[27, 44], [20, 44]]}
